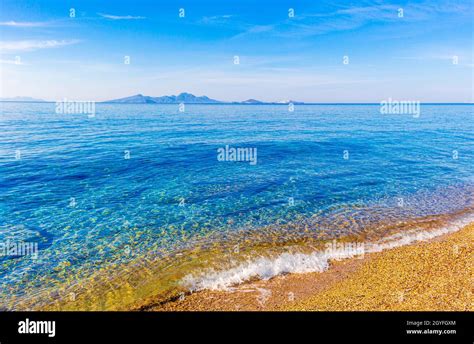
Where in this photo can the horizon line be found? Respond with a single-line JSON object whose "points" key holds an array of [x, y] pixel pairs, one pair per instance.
{"points": [[237, 103]]}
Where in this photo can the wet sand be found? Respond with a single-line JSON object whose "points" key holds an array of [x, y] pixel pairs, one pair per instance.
{"points": [[434, 275]]}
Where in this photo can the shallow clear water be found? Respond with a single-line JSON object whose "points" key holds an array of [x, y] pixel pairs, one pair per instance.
{"points": [[337, 169]]}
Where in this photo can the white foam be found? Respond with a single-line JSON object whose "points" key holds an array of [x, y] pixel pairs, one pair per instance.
{"points": [[266, 268]]}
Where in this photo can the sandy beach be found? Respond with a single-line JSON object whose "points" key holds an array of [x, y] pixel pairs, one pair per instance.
{"points": [[434, 275]]}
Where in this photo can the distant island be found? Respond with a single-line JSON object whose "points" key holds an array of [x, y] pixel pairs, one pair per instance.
{"points": [[21, 99], [186, 98]]}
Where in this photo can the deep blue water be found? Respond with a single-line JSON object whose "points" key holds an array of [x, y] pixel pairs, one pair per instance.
{"points": [[74, 192]]}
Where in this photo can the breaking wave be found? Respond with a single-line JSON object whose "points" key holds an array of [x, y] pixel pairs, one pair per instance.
{"points": [[265, 268]]}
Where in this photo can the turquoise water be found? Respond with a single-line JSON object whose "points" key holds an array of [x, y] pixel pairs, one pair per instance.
{"points": [[145, 179]]}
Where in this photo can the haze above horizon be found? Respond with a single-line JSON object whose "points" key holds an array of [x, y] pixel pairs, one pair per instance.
{"points": [[314, 53]]}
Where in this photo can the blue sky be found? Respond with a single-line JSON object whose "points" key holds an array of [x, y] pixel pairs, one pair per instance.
{"points": [[47, 54]]}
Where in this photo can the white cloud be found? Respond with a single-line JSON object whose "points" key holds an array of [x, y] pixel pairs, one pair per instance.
{"points": [[15, 62], [114, 17], [215, 19], [13, 46], [22, 24], [315, 23]]}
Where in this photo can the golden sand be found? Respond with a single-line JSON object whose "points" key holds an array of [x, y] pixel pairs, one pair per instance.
{"points": [[435, 275]]}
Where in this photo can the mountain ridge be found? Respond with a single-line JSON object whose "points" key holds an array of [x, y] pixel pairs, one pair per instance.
{"points": [[186, 98], [21, 99]]}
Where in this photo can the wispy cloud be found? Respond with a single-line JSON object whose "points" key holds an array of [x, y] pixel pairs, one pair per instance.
{"points": [[17, 46], [313, 23], [22, 24], [115, 17], [351, 18], [216, 19], [15, 62], [255, 29], [461, 59], [233, 22], [425, 57]]}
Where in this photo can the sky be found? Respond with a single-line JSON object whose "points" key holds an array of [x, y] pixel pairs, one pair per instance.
{"points": [[311, 51]]}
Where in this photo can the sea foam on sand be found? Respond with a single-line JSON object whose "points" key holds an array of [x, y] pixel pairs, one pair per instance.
{"points": [[266, 268]]}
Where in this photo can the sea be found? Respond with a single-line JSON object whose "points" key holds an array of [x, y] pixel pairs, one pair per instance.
{"points": [[139, 203]]}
